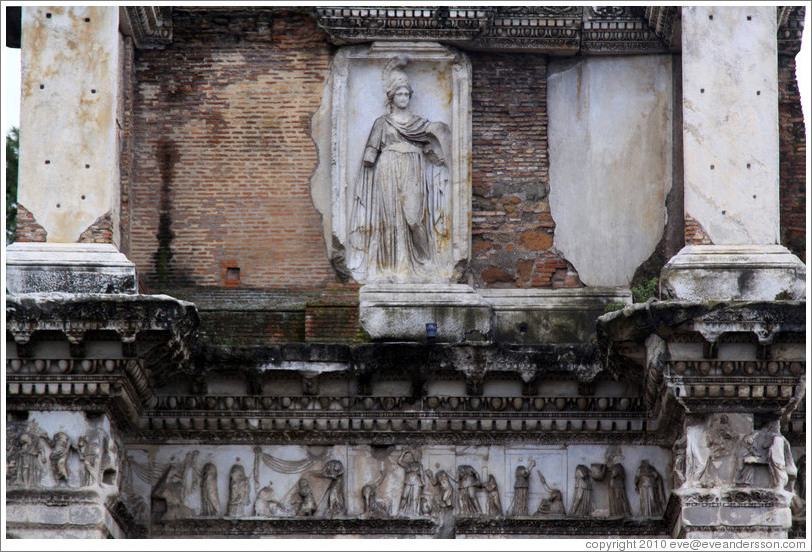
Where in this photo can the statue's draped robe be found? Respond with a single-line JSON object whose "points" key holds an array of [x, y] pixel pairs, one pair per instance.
{"points": [[398, 214]]}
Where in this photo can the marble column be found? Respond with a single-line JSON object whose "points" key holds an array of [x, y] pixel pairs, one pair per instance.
{"points": [[69, 197], [731, 169]]}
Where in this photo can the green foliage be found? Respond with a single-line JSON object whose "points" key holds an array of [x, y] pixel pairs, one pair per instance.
{"points": [[645, 290], [783, 296], [12, 165], [612, 307]]}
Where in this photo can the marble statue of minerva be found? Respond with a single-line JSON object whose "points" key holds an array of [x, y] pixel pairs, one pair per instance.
{"points": [[399, 219]]}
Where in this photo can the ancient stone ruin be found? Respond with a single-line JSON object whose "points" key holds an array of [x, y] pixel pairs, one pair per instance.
{"points": [[408, 272]]}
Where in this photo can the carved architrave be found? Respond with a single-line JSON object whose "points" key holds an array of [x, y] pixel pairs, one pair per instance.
{"points": [[441, 80], [149, 26]]}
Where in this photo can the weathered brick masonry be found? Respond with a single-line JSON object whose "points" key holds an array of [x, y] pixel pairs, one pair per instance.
{"points": [[792, 144], [512, 229], [223, 153]]}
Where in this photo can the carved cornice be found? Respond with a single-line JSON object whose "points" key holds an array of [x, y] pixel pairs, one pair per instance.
{"points": [[790, 29], [362, 24], [557, 30], [547, 29], [665, 22], [158, 329], [149, 26], [619, 30], [755, 381]]}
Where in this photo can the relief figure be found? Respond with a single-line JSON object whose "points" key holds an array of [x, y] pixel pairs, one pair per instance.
{"points": [[618, 501], [60, 451], [266, 504], [582, 497], [494, 502], [649, 485], [468, 483], [334, 471], [397, 213], [88, 460], [413, 483], [443, 481], [304, 503], [553, 504], [209, 498], [31, 460], [239, 489], [374, 508], [521, 489], [171, 489]]}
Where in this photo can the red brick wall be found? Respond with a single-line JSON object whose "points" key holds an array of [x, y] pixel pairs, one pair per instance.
{"points": [[125, 136], [792, 144], [222, 153], [512, 229]]}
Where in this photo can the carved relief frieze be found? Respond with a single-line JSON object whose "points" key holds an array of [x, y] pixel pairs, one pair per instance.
{"points": [[335, 482], [66, 459], [725, 452]]}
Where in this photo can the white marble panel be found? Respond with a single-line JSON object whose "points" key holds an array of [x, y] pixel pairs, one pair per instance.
{"points": [[610, 161]]}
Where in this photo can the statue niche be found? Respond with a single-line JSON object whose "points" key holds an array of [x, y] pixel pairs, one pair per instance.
{"points": [[396, 193], [399, 214]]}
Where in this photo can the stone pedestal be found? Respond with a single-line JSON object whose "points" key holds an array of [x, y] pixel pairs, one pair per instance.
{"points": [[400, 312], [68, 267], [734, 272]]}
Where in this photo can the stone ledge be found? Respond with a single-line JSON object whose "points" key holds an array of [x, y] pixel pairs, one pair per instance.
{"points": [[529, 316], [68, 267], [400, 312]]}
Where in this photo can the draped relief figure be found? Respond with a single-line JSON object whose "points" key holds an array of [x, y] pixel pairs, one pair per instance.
{"points": [[173, 487], [443, 481], [649, 485], [413, 483], [618, 500], [334, 471], [398, 215], [582, 498], [88, 460], [553, 504], [30, 460], [239, 489], [492, 493], [521, 489], [468, 483], [209, 499], [304, 502]]}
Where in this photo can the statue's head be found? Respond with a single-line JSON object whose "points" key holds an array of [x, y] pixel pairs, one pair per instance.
{"points": [[396, 84]]}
